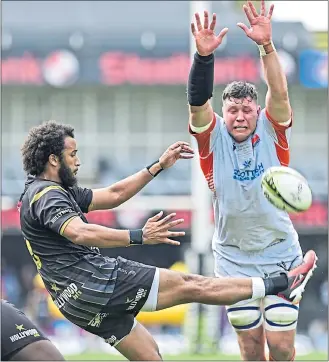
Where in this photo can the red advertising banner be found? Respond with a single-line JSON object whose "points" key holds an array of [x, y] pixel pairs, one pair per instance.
{"points": [[63, 68], [119, 68], [26, 69], [315, 217]]}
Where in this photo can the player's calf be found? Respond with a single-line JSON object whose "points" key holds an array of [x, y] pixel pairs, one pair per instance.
{"points": [[252, 344], [283, 351], [179, 288]]}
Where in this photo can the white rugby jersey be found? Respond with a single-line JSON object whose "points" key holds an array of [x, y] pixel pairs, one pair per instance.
{"points": [[243, 216]]}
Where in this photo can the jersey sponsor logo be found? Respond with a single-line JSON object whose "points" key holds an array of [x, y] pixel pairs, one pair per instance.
{"points": [[129, 300], [244, 175], [60, 213], [111, 340], [247, 163], [97, 320], [55, 288], [141, 293], [71, 291], [126, 272], [95, 248], [23, 333]]}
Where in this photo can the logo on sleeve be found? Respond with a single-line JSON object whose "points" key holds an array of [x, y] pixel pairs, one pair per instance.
{"points": [[23, 333], [61, 212]]}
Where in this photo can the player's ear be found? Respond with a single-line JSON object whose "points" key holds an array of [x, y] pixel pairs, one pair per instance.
{"points": [[53, 160], [258, 110]]}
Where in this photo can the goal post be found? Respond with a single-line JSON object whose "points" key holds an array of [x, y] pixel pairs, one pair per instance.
{"points": [[202, 322]]}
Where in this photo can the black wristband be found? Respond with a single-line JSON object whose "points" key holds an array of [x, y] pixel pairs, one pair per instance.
{"points": [[275, 285], [201, 80], [136, 237], [149, 166]]}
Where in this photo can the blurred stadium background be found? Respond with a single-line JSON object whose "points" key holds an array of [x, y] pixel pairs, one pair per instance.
{"points": [[117, 72]]}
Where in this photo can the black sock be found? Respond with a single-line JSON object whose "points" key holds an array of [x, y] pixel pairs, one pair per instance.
{"points": [[274, 285]]}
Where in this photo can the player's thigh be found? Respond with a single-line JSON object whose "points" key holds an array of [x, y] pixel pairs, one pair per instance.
{"points": [[280, 315], [136, 285], [141, 287], [38, 351], [247, 319], [245, 315], [281, 319], [136, 289], [139, 345]]}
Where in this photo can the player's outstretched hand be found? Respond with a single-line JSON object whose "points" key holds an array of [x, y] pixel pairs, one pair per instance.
{"points": [[175, 152], [206, 40], [156, 230], [260, 30]]}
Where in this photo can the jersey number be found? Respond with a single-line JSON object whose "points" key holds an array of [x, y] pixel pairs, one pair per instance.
{"points": [[36, 259]]}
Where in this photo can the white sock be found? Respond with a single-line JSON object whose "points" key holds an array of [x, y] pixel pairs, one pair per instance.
{"points": [[258, 288]]}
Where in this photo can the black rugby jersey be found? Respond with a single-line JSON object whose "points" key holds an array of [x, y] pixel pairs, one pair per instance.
{"points": [[79, 279]]}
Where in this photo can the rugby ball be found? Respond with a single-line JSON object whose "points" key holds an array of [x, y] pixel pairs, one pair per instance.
{"points": [[286, 189]]}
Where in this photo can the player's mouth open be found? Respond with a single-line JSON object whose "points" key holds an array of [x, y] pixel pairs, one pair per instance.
{"points": [[240, 127]]}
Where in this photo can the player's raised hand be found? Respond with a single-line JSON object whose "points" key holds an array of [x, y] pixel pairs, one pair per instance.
{"points": [[156, 230], [260, 30], [205, 38], [178, 150]]}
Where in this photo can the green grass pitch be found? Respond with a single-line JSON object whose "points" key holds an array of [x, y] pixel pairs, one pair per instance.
{"points": [[185, 357]]}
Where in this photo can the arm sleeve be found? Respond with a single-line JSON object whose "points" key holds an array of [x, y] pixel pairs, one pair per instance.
{"points": [[279, 134], [83, 197], [206, 144], [53, 209], [206, 140]]}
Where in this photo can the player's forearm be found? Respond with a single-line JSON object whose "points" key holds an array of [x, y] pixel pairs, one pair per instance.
{"points": [[101, 237], [201, 116], [130, 186], [274, 76]]}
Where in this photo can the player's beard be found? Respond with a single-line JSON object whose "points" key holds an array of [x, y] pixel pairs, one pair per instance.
{"points": [[66, 175]]}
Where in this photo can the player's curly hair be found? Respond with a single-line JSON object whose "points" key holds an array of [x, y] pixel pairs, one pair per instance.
{"points": [[240, 90], [42, 141]]}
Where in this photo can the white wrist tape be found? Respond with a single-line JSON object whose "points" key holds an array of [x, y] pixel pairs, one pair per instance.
{"points": [[262, 49], [258, 288], [200, 129], [286, 123]]}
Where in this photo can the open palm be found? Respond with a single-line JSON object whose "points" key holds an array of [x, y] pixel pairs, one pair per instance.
{"points": [[260, 30], [205, 39]]}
